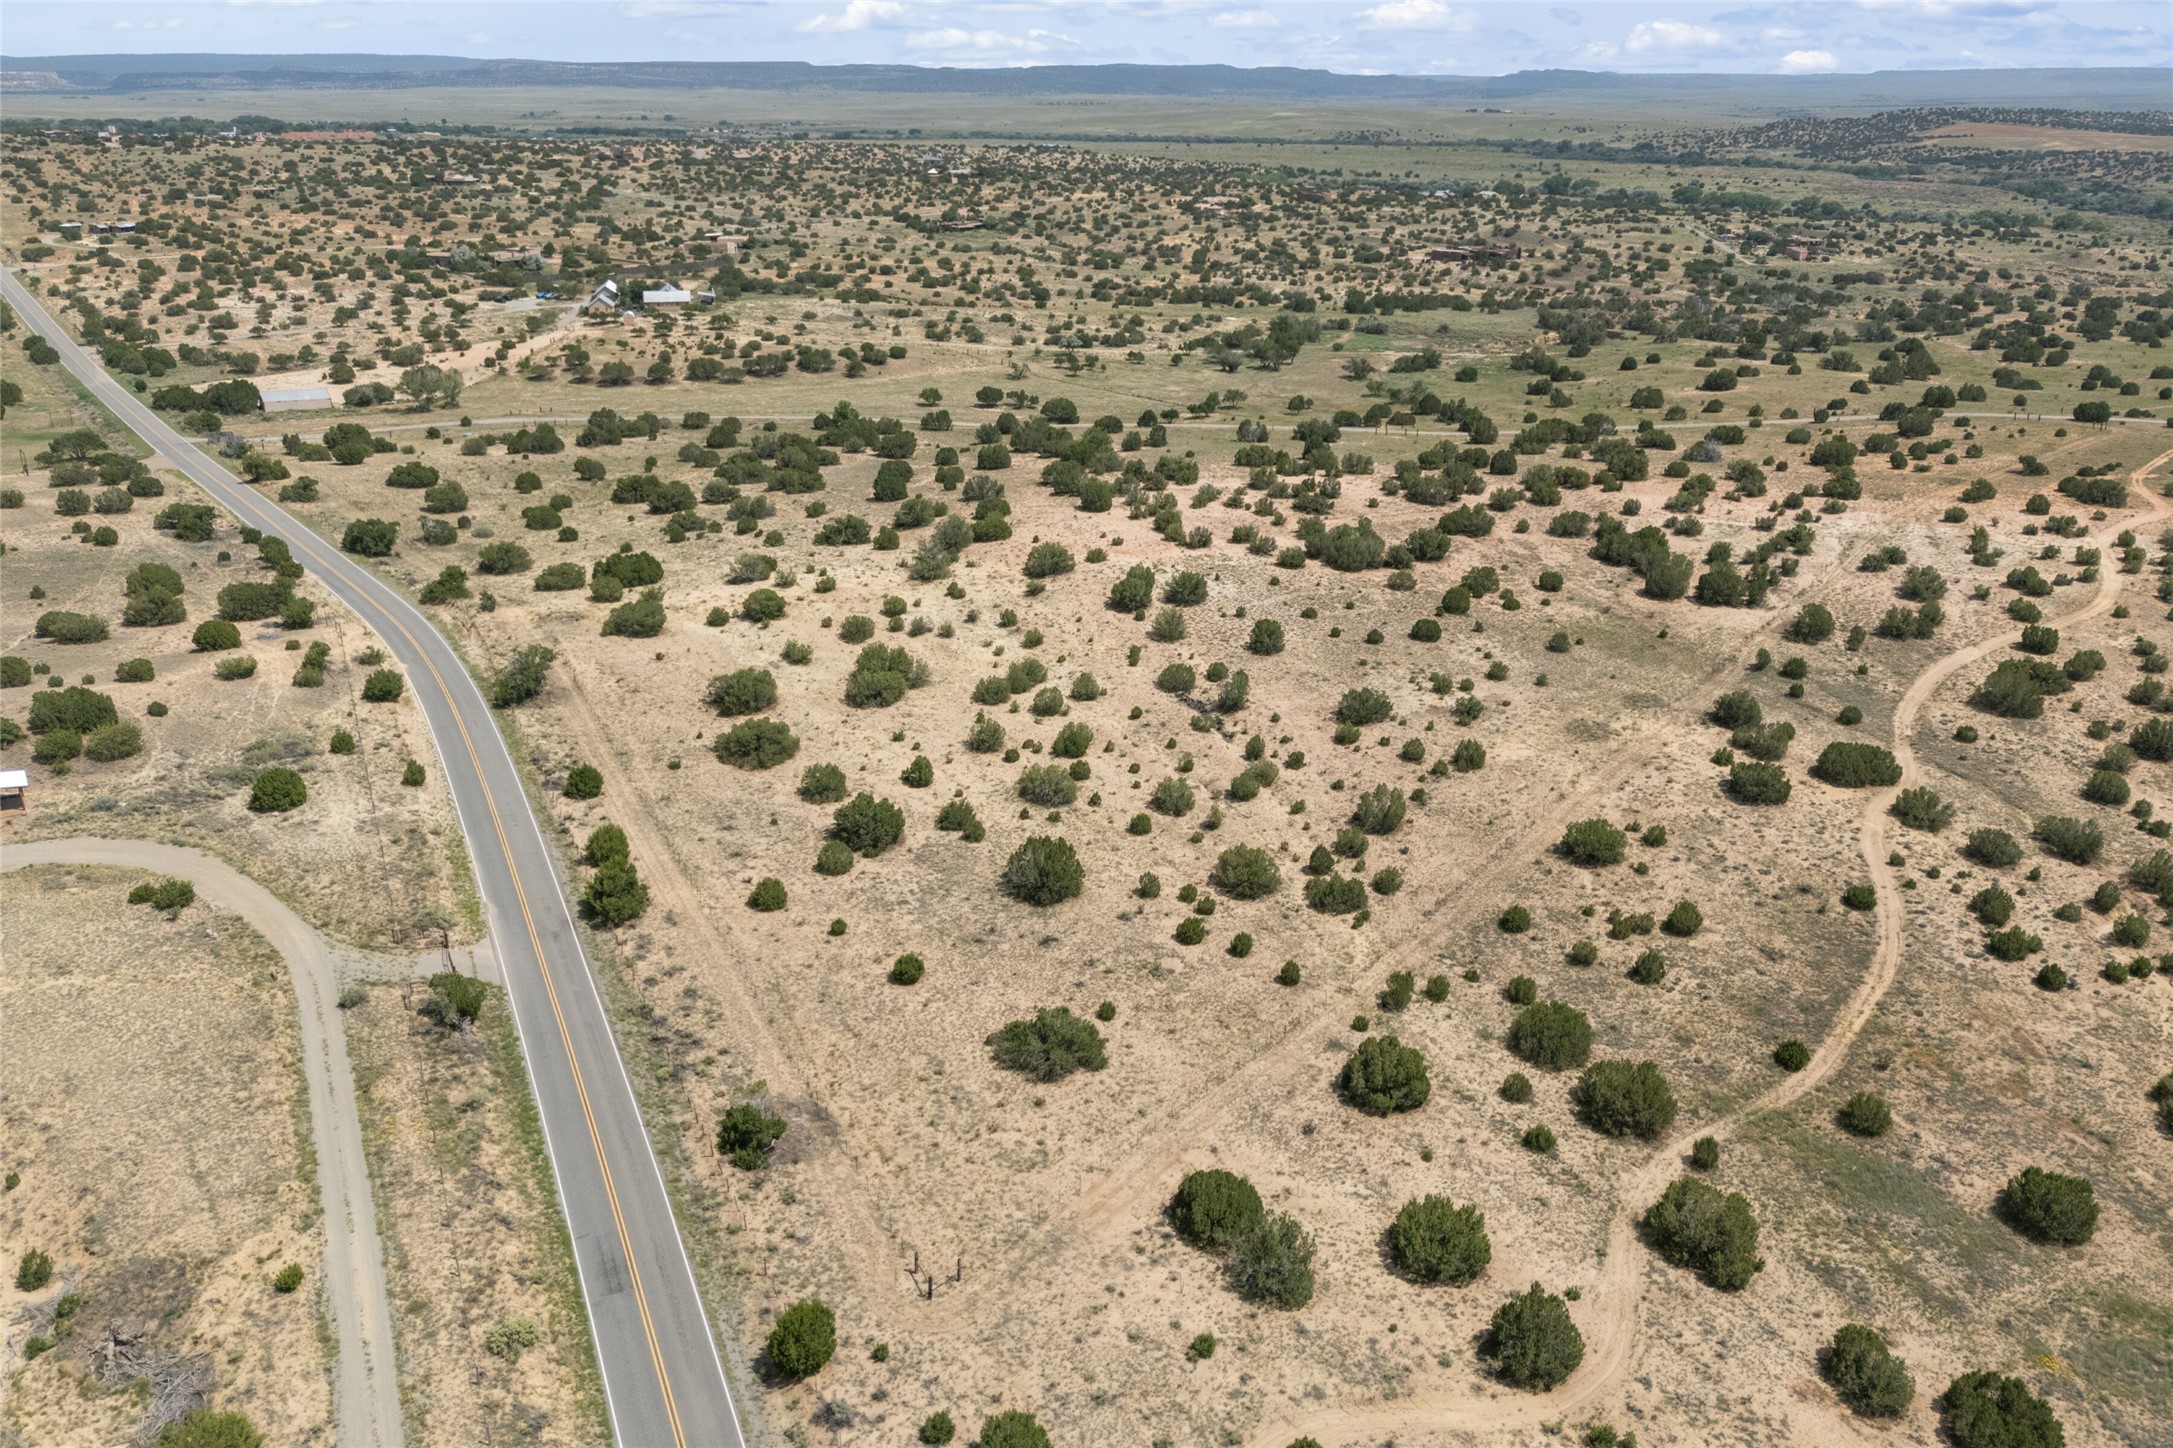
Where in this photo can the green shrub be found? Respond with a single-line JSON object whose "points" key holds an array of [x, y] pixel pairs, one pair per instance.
{"points": [[1514, 921], [1267, 637], [1047, 786], [1434, 1240], [512, 1337], [1849, 765], [2078, 842], [205, 1429], [383, 686], [276, 791], [745, 1135], [1551, 1035], [1271, 1264], [1791, 1055], [1049, 1047], [834, 858], [1694, 1225], [1624, 1099], [33, 1270], [615, 894], [2050, 1206], [1866, 1114], [63, 627], [1532, 1343], [756, 744], [1044, 871], [1684, 921], [768, 895], [74, 708], [743, 691], [1539, 1138], [1986, 1410], [802, 1340], [459, 997], [215, 634], [937, 1429], [288, 1278], [109, 742], [1384, 1076], [1995, 849], [1753, 782], [866, 825], [1379, 810], [1214, 1208], [1922, 809], [1246, 872], [880, 677], [1012, 1430], [1360, 707], [1865, 1374], [1592, 842], [584, 781]]}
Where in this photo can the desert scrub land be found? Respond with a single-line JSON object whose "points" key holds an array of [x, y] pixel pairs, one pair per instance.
{"points": [[488, 1321], [159, 1157], [1218, 827], [201, 695]]}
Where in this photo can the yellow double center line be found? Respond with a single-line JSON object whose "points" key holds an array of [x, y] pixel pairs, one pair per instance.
{"points": [[580, 1086], [588, 1114]]}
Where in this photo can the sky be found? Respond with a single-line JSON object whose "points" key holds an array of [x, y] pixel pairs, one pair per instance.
{"points": [[1360, 36]]}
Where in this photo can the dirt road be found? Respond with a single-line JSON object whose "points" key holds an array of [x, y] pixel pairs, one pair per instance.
{"points": [[366, 1394]]}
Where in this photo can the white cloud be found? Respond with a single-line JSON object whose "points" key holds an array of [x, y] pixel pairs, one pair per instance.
{"points": [[694, 9], [1653, 35], [1246, 20], [283, 4], [174, 23], [1413, 15], [1808, 62], [1954, 9], [958, 43], [857, 15]]}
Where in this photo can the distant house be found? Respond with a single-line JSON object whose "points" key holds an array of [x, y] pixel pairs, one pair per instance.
{"points": [[14, 789], [605, 298], [295, 399], [456, 178], [667, 297], [1449, 253]]}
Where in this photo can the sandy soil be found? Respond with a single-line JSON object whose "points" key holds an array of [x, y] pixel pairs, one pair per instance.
{"points": [[154, 1107], [472, 1226]]}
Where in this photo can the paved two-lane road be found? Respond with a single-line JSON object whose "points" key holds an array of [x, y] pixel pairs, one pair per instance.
{"points": [[664, 1383]]}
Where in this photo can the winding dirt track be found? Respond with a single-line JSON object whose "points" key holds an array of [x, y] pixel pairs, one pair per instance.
{"points": [[1611, 1334], [366, 1397]]}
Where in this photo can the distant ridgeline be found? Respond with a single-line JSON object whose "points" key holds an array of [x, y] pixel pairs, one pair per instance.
{"points": [[2140, 87]]}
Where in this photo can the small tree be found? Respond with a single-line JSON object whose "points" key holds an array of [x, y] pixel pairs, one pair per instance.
{"points": [[616, 894], [1693, 1225], [745, 1134], [1049, 1047], [2050, 1206], [1384, 1077], [1044, 871], [756, 744], [1532, 1342], [1865, 1374], [33, 1271], [1986, 1410], [866, 825], [1246, 872], [1379, 810], [1866, 1114], [459, 997], [277, 791], [1013, 1430], [768, 895], [1434, 1240], [1922, 809], [1850, 765], [1213, 1209], [1273, 1264], [1593, 842], [804, 1338], [1624, 1099], [743, 691], [1551, 1035]]}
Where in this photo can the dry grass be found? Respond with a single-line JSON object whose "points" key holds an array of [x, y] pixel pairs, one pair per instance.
{"points": [[154, 1108]]}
